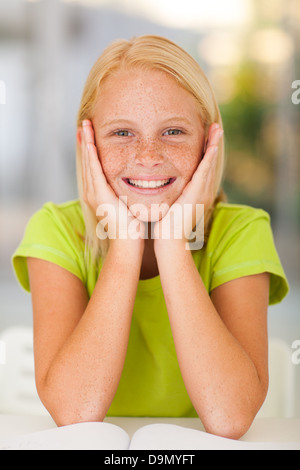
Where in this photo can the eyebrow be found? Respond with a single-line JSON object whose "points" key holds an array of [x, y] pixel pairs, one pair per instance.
{"points": [[178, 119], [117, 121], [126, 122]]}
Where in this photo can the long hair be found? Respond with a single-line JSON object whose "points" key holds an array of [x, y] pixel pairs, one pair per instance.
{"points": [[148, 52]]}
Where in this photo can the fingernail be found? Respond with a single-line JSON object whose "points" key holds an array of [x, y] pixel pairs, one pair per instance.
{"points": [[85, 123]]}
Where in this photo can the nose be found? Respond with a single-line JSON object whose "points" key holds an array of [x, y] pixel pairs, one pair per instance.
{"points": [[149, 154]]}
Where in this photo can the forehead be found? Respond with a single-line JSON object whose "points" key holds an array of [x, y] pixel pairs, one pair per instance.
{"points": [[143, 91]]}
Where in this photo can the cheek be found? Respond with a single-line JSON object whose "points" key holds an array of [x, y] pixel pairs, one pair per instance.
{"points": [[113, 161], [187, 160]]}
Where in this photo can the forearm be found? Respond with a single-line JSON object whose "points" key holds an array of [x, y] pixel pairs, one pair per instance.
{"points": [[84, 376], [220, 377]]}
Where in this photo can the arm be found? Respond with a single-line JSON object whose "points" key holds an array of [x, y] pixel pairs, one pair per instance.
{"points": [[221, 341], [80, 346]]}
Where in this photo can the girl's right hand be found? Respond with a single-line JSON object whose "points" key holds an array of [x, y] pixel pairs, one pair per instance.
{"points": [[115, 219]]}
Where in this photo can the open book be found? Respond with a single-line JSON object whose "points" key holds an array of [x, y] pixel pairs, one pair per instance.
{"points": [[106, 436]]}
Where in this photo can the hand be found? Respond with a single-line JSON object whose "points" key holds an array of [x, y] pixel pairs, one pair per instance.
{"points": [[115, 219], [184, 215]]}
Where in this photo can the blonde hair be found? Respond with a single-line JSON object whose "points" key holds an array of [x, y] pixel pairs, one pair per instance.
{"points": [[149, 52]]}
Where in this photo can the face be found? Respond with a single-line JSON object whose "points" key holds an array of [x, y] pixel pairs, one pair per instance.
{"points": [[149, 136]]}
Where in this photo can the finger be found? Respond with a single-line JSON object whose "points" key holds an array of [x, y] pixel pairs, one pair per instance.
{"points": [[92, 161], [96, 180], [206, 169], [87, 122], [211, 152], [95, 167], [86, 137], [214, 135], [88, 182], [215, 126], [103, 192], [202, 183], [211, 129], [83, 161], [88, 133], [211, 156]]}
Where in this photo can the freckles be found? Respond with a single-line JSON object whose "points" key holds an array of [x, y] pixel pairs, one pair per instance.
{"points": [[187, 159], [113, 161]]}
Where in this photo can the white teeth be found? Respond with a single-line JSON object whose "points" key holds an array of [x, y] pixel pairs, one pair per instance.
{"points": [[149, 184]]}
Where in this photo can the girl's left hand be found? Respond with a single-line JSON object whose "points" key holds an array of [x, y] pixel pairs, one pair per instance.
{"points": [[183, 216]]}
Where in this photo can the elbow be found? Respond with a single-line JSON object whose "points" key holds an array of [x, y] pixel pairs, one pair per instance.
{"points": [[62, 420], [229, 425], [234, 422], [65, 411], [66, 416], [233, 429]]}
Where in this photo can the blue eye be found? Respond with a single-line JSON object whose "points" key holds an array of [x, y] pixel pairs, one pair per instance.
{"points": [[122, 133], [173, 132]]}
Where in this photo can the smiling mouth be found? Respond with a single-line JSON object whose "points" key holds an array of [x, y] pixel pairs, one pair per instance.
{"points": [[149, 184]]}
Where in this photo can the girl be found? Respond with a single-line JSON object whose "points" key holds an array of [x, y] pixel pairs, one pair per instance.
{"points": [[136, 324]]}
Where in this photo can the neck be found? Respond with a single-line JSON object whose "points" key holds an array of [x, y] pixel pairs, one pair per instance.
{"points": [[149, 268]]}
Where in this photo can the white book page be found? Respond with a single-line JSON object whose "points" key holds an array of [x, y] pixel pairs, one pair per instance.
{"points": [[83, 436], [171, 437]]}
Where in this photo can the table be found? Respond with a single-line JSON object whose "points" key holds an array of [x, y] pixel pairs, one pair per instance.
{"points": [[262, 429]]}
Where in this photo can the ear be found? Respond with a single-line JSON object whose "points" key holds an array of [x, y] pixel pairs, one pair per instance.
{"points": [[79, 136]]}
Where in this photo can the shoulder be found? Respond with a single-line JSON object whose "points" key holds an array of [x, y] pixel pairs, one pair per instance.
{"points": [[241, 243], [226, 214], [230, 219], [52, 219], [68, 212], [55, 233]]}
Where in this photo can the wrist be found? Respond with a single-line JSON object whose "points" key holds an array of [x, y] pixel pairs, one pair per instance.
{"points": [[170, 246], [129, 247]]}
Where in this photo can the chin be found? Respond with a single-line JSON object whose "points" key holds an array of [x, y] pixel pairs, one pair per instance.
{"points": [[146, 213]]}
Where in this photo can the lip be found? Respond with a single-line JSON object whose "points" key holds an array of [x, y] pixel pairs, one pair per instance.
{"points": [[149, 178]]}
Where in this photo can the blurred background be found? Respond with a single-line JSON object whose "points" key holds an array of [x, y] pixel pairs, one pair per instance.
{"points": [[248, 48]]}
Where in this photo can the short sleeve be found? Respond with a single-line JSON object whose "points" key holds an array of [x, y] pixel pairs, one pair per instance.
{"points": [[53, 234], [245, 246]]}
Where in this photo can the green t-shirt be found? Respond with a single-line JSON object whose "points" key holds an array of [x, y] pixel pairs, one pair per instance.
{"points": [[240, 244]]}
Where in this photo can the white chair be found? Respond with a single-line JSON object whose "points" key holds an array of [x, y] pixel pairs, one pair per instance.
{"points": [[18, 393], [280, 401]]}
